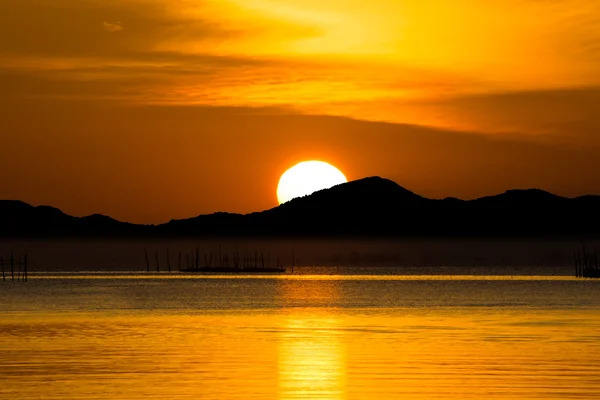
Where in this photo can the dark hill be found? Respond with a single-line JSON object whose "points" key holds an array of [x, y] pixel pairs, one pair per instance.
{"points": [[367, 207], [380, 207], [364, 196], [522, 198], [18, 219], [371, 205]]}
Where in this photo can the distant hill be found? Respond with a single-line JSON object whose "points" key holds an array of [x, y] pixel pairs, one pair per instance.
{"points": [[368, 207], [19, 219]]}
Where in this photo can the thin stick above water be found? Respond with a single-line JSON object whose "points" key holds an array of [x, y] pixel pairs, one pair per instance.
{"points": [[147, 262], [168, 260]]}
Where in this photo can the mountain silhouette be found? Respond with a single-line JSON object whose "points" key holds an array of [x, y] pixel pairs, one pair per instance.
{"points": [[20, 219], [369, 207]]}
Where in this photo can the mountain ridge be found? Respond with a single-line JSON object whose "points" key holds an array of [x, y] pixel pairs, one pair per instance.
{"points": [[371, 206]]}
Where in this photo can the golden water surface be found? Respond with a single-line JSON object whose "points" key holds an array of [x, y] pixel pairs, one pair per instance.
{"points": [[266, 338]]}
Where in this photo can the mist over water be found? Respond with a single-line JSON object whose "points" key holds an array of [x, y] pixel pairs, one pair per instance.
{"points": [[495, 257]]}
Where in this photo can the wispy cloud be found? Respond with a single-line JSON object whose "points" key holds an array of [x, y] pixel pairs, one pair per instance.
{"points": [[113, 26], [419, 62]]}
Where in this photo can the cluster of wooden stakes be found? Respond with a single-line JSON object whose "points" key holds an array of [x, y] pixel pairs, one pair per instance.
{"points": [[15, 268], [12, 265], [222, 262], [586, 263]]}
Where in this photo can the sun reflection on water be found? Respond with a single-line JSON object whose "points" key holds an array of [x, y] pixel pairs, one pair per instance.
{"points": [[312, 360], [312, 353]]}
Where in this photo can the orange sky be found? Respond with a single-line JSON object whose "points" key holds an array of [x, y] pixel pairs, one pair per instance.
{"points": [[148, 110]]}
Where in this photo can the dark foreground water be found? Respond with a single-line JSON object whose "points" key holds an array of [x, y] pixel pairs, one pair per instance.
{"points": [[300, 337]]}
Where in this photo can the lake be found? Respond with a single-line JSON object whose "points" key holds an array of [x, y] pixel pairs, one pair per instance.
{"points": [[302, 336]]}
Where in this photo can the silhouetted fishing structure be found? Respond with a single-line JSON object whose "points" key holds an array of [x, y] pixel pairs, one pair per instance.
{"points": [[586, 263], [219, 261], [9, 265]]}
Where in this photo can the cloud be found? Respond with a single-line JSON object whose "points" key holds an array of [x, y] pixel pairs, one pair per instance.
{"points": [[190, 52], [27, 27], [568, 116], [113, 26]]}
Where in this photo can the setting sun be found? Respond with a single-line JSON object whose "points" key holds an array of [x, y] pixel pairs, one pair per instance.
{"points": [[299, 199], [306, 178]]}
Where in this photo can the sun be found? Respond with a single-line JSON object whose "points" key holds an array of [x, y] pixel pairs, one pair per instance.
{"points": [[306, 178]]}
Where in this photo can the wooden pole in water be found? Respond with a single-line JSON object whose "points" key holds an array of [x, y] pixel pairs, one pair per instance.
{"points": [[236, 257], [2, 264], [25, 267], [179, 264], [197, 257], [586, 257], [168, 260], [157, 265], [19, 266], [147, 262], [12, 267], [585, 261], [293, 259]]}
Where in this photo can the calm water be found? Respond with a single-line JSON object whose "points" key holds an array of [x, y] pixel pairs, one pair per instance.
{"points": [[300, 337]]}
